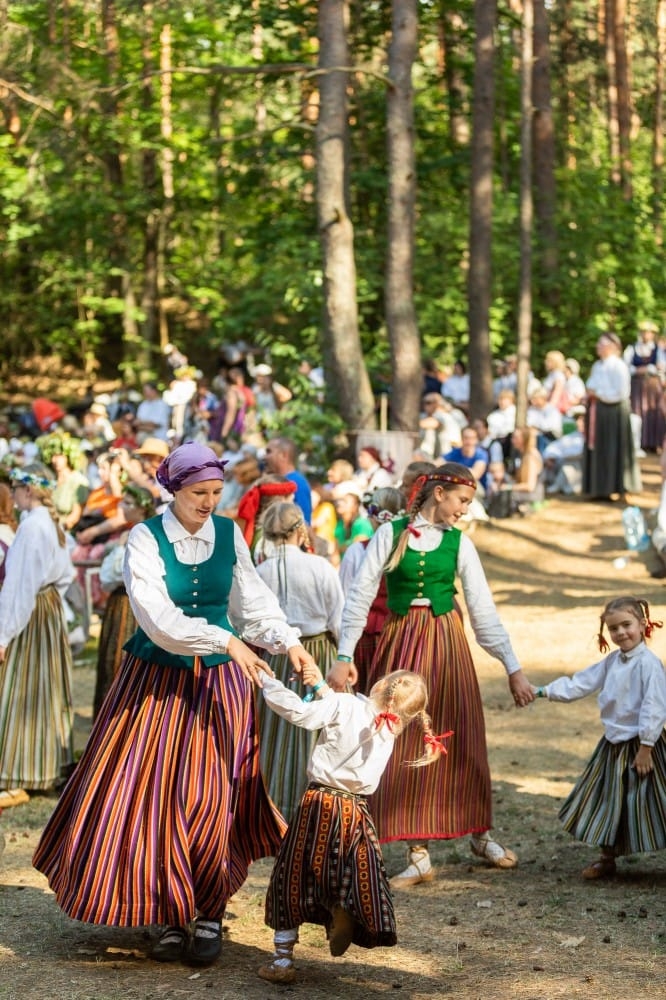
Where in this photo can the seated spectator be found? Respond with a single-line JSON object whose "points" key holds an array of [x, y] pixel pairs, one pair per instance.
{"points": [[456, 387], [371, 473], [153, 415], [563, 459], [498, 500], [439, 431], [528, 487], [545, 418], [470, 454], [502, 420]]}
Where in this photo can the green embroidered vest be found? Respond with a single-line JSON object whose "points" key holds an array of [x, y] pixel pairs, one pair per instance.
{"points": [[420, 574], [200, 591]]}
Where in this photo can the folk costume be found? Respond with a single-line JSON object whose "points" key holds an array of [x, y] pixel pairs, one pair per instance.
{"points": [[609, 464]]}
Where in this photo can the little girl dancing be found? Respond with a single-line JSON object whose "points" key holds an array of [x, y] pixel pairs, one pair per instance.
{"points": [[618, 802], [329, 869]]}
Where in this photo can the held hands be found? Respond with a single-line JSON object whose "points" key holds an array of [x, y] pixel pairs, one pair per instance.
{"points": [[341, 674], [643, 761], [522, 691], [304, 665], [252, 666]]}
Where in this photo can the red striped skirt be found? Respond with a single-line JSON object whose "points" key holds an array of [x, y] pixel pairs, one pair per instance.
{"points": [[167, 807], [331, 856], [453, 796]]}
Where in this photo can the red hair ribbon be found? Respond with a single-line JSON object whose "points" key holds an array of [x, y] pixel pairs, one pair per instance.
{"points": [[437, 742], [413, 531], [389, 718]]}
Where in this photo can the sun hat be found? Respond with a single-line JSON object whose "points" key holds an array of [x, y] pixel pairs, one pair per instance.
{"points": [[263, 370], [153, 446]]}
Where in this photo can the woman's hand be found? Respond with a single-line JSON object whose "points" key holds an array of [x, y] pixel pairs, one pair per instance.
{"points": [[522, 691], [252, 666], [341, 674], [303, 663], [643, 761]]}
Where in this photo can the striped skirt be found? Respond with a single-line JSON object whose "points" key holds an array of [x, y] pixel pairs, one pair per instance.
{"points": [[36, 714], [118, 624], [167, 806], [286, 749], [452, 797], [612, 806], [331, 856]]}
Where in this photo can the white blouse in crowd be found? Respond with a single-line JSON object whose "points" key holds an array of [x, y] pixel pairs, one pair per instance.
{"points": [[350, 565], [34, 560], [488, 629], [632, 693], [307, 587], [350, 754], [610, 380], [253, 609]]}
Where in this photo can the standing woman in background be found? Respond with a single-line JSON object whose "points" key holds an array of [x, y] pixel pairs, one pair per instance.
{"points": [[308, 589], [7, 525], [35, 656], [609, 463]]}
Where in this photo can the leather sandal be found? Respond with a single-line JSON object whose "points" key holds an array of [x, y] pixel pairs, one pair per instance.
{"points": [[417, 871], [493, 853], [341, 931], [280, 970], [603, 868]]}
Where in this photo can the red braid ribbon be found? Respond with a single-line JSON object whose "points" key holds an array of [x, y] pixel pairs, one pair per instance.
{"points": [[389, 718], [437, 742]]}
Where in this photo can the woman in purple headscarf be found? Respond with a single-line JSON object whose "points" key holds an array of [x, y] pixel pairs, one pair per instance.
{"points": [[167, 807]]}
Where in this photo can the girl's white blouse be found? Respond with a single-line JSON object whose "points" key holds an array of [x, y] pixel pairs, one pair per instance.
{"points": [[488, 629], [632, 693], [34, 560], [313, 600], [253, 609], [610, 380], [350, 754]]}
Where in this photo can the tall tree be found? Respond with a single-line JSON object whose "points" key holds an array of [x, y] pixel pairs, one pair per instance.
{"points": [[481, 209], [544, 162], [336, 232], [400, 312], [526, 214]]}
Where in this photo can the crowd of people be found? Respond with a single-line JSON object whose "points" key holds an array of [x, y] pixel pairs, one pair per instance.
{"points": [[267, 637]]}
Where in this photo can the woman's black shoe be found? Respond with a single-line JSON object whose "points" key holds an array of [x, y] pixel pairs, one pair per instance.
{"points": [[205, 945], [170, 946]]}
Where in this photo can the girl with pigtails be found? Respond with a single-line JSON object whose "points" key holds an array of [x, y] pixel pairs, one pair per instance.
{"points": [[619, 802], [36, 715], [420, 556], [329, 869]]}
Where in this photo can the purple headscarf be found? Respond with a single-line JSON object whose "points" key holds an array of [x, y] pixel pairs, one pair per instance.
{"points": [[189, 463]]}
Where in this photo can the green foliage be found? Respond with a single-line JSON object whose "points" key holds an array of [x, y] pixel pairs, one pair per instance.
{"points": [[83, 205]]}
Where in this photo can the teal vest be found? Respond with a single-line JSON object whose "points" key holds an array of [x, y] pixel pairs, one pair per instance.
{"points": [[200, 591], [421, 574]]}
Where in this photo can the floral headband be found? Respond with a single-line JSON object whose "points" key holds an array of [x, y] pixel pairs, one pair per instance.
{"points": [[20, 478]]}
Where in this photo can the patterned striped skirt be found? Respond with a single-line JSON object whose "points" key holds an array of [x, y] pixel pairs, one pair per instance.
{"points": [[286, 749], [167, 807], [331, 856], [36, 700], [612, 806], [118, 624], [452, 797]]}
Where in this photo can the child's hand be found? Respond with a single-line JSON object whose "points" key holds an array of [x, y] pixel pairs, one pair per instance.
{"points": [[311, 674], [643, 761]]}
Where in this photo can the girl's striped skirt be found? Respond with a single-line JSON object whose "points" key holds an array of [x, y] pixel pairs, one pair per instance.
{"points": [[331, 856], [36, 699], [286, 749], [452, 797], [612, 806], [167, 806]]}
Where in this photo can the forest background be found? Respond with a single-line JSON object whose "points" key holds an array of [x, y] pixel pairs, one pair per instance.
{"points": [[358, 182]]}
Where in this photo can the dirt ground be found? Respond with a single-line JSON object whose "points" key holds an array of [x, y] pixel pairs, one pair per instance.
{"points": [[538, 932]]}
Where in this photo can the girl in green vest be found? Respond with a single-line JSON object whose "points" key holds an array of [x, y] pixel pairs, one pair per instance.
{"points": [[422, 556]]}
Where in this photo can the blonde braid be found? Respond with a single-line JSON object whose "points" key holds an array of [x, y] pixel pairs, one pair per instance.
{"points": [[47, 501]]}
